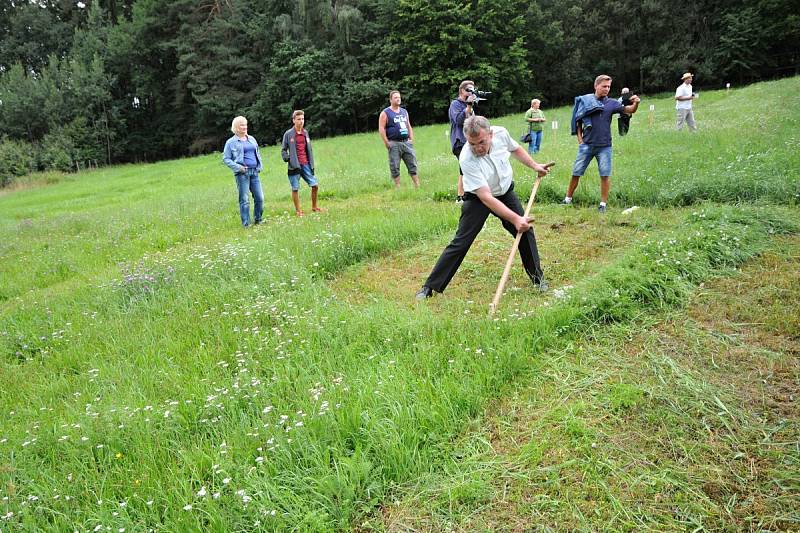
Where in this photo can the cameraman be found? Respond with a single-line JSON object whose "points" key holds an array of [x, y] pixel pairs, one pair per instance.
{"points": [[460, 110]]}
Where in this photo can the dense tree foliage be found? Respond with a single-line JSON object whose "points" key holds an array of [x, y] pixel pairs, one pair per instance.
{"points": [[132, 80]]}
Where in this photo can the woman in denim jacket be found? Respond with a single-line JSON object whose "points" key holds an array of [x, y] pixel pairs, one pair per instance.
{"points": [[241, 155]]}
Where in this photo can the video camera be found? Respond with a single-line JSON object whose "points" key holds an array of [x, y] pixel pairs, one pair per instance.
{"points": [[479, 95]]}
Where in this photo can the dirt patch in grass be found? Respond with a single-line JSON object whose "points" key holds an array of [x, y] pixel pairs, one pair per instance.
{"points": [[573, 243]]}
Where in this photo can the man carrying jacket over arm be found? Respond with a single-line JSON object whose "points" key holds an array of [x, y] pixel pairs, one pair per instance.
{"points": [[592, 124]]}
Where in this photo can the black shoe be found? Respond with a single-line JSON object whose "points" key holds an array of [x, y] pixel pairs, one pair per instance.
{"points": [[424, 292], [601, 209], [542, 286]]}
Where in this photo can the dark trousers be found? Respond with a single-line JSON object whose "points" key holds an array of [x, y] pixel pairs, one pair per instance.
{"points": [[473, 215], [457, 152]]}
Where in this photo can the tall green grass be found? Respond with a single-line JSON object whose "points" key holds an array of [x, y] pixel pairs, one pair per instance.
{"points": [[309, 407]]}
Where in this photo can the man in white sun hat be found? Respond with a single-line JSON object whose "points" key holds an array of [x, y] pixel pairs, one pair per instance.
{"points": [[683, 103]]}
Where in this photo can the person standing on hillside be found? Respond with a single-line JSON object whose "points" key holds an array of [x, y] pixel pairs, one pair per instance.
{"points": [[489, 186], [242, 156], [535, 119], [297, 152], [460, 110], [683, 103], [394, 126], [591, 122], [624, 121]]}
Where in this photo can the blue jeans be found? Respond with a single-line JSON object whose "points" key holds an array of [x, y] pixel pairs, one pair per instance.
{"points": [[585, 155], [248, 181], [305, 173], [536, 142]]}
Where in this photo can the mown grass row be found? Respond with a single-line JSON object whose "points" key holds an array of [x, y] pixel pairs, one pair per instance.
{"points": [[149, 401], [674, 421]]}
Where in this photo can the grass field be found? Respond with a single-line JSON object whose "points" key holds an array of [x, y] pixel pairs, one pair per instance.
{"points": [[163, 369]]}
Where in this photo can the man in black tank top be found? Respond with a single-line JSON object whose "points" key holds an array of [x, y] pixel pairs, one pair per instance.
{"points": [[394, 126]]}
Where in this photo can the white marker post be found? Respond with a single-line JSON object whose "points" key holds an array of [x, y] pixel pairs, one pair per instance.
{"points": [[554, 126], [651, 115], [727, 87]]}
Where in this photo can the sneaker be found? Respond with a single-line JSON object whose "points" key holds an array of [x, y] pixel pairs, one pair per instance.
{"points": [[564, 202], [601, 209], [424, 292], [542, 286]]}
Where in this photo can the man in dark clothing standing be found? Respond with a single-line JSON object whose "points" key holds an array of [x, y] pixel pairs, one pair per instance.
{"points": [[460, 110], [594, 135], [394, 126], [624, 121]]}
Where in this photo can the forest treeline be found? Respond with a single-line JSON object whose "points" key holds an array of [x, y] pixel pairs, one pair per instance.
{"points": [[142, 80]]}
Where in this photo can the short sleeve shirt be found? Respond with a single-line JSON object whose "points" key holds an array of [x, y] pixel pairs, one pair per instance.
{"points": [[683, 90], [534, 113], [492, 170], [599, 135]]}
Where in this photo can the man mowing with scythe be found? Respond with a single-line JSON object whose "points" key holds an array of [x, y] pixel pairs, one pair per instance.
{"points": [[489, 189]]}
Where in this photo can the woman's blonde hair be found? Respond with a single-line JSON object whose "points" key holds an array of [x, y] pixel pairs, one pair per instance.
{"points": [[236, 121]]}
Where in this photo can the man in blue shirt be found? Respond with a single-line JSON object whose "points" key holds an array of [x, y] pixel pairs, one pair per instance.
{"points": [[594, 135], [394, 126]]}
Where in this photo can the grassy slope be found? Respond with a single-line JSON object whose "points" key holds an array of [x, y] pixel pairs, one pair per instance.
{"points": [[56, 232], [151, 349]]}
